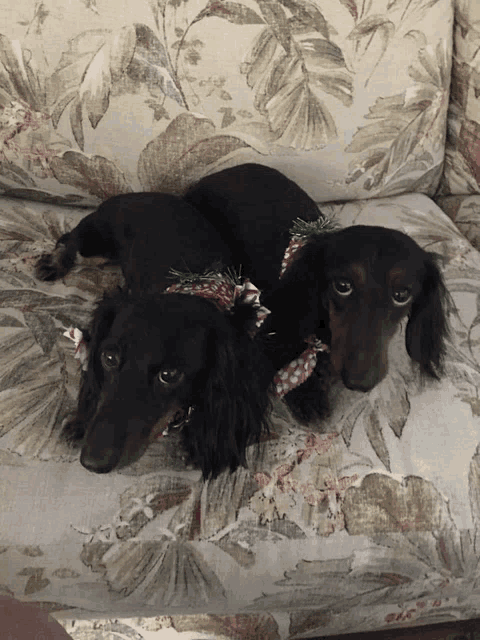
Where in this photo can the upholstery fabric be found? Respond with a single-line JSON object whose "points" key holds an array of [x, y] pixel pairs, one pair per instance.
{"points": [[365, 521], [464, 210], [348, 98], [462, 159]]}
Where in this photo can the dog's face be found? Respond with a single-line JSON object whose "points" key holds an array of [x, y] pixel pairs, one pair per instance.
{"points": [[148, 366], [153, 361], [374, 278], [352, 288], [367, 300]]}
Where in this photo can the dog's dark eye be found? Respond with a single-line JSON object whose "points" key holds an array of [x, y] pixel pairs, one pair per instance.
{"points": [[110, 359], [170, 376], [343, 287], [401, 297]]}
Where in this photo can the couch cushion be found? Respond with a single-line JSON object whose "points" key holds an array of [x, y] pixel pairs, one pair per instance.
{"points": [[347, 98], [464, 210], [365, 521], [462, 159]]}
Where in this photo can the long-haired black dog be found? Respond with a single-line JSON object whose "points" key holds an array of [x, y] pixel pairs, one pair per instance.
{"points": [[351, 288], [161, 359]]}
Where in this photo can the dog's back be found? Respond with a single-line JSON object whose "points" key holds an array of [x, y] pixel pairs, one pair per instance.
{"points": [[160, 232], [148, 234], [253, 207]]}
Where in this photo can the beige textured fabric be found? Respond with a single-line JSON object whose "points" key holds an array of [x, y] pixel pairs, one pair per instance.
{"points": [[365, 521], [464, 210], [348, 98], [462, 159]]}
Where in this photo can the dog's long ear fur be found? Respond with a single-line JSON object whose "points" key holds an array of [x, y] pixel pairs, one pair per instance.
{"points": [[233, 402], [90, 386], [427, 329]]}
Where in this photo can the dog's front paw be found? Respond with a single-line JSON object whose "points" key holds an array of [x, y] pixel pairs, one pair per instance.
{"points": [[73, 433], [309, 401], [46, 269], [55, 265]]}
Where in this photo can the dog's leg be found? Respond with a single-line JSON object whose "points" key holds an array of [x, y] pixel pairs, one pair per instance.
{"points": [[309, 401], [56, 265], [93, 236]]}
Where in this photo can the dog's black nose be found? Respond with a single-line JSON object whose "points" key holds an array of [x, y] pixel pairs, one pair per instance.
{"points": [[357, 386], [99, 462], [363, 383]]}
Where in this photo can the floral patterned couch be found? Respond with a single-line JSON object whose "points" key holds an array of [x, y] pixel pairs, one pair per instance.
{"points": [[370, 520]]}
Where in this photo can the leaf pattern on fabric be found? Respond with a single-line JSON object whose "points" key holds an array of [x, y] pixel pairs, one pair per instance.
{"points": [[308, 488], [96, 175], [364, 32], [387, 406], [142, 503], [240, 626], [96, 62], [177, 156], [233, 12], [21, 224], [463, 354], [241, 542], [151, 64], [394, 145], [381, 504], [297, 79], [465, 213], [462, 173], [203, 509], [286, 79], [161, 572], [213, 506], [25, 134], [413, 575], [236, 627], [36, 394], [42, 327], [39, 377]]}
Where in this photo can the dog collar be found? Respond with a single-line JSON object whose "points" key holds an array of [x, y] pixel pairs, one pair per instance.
{"points": [[296, 243], [300, 369], [178, 425], [302, 232], [222, 290]]}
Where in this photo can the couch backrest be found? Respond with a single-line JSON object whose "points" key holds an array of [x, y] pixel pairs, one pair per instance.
{"points": [[348, 98]]}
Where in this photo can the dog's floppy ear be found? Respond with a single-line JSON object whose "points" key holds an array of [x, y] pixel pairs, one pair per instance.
{"points": [[233, 401], [90, 386], [427, 328]]}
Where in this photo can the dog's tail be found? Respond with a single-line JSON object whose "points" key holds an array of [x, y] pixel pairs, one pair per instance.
{"points": [[56, 265]]}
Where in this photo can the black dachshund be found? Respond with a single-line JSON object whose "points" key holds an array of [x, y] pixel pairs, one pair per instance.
{"points": [[157, 359], [350, 288]]}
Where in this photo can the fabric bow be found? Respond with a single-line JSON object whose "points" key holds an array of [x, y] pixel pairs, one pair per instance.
{"points": [[300, 369], [81, 351], [224, 293]]}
